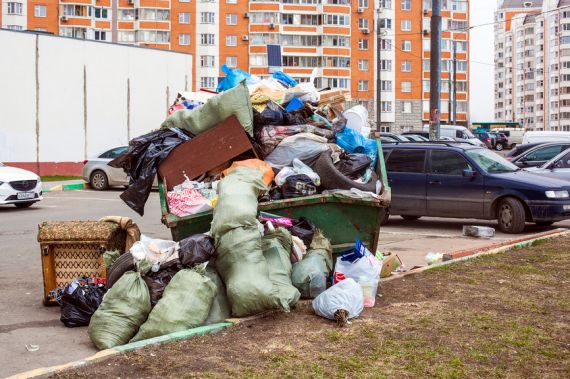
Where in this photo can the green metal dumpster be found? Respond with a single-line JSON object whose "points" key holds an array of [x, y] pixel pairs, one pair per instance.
{"points": [[342, 219]]}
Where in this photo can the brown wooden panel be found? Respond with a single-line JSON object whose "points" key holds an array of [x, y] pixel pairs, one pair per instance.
{"points": [[205, 152]]}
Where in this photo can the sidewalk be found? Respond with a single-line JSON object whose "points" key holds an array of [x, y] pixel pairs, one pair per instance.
{"points": [[46, 186]]}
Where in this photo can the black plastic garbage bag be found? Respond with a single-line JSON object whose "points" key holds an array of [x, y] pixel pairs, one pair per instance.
{"points": [[305, 230], [157, 281], [141, 162], [196, 249], [353, 165], [79, 304], [271, 115], [297, 186]]}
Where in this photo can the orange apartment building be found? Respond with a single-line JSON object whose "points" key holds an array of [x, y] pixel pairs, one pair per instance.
{"points": [[338, 37]]}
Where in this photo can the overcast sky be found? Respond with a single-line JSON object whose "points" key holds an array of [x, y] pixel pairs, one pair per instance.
{"points": [[482, 50]]}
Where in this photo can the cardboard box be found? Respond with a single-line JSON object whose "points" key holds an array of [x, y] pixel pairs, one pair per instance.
{"points": [[389, 265]]}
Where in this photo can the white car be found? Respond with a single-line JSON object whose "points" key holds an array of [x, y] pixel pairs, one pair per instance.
{"points": [[19, 187]]}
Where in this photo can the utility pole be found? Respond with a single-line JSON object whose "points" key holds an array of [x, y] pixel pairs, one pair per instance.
{"points": [[378, 72], [435, 71], [454, 81], [449, 99]]}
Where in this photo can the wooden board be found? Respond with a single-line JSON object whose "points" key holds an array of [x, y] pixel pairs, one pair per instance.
{"points": [[205, 152]]}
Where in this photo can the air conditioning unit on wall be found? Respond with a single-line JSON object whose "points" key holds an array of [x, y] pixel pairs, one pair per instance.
{"points": [[245, 38]]}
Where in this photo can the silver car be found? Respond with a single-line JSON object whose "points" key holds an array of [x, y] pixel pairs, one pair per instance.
{"points": [[100, 175]]}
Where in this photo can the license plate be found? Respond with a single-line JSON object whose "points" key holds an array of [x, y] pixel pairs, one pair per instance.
{"points": [[26, 195]]}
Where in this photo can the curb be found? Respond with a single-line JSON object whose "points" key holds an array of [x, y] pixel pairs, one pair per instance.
{"points": [[464, 255], [105, 354], [67, 187]]}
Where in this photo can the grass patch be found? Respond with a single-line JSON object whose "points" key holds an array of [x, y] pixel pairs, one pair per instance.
{"points": [[59, 178]]}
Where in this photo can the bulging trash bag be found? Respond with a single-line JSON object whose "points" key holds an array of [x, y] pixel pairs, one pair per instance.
{"points": [[79, 301], [353, 165], [354, 142], [239, 258], [276, 245], [304, 229], [341, 302], [185, 304], [303, 146], [157, 281], [221, 309], [196, 249], [233, 78], [123, 310], [271, 115], [310, 275], [298, 186]]}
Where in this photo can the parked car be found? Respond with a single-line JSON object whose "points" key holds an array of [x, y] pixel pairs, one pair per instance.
{"points": [[539, 155], [19, 187], [396, 137], [100, 175], [515, 135], [416, 138], [427, 178], [459, 133], [417, 133], [532, 137], [520, 149], [558, 167], [500, 141], [486, 138]]}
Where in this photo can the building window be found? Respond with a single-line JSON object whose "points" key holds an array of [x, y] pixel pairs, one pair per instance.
{"points": [[362, 3], [40, 29], [206, 39], [386, 65], [207, 82], [362, 23], [406, 5], [184, 39], [231, 40], [385, 23], [386, 106], [184, 17], [15, 8], [406, 25], [406, 87], [40, 11], [363, 64], [207, 17], [336, 19], [258, 60], [100, 13], [406, 107], [363, 85], [14, 27], [207, 61], [183, 1], [126, 36], [100, 35], [151, 14], [386, 85], [231, 19], [406, 45], [362, 44], [231, 61], [406, 66], [127, 14], [231, 1]]}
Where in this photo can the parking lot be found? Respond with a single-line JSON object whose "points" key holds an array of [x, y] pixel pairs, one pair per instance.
{"points": [[26, 321]]}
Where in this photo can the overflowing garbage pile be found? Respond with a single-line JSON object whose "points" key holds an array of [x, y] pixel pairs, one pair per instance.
{"points": [[304, 142]]}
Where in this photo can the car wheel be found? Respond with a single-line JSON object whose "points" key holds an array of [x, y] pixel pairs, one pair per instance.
{"points": [[511, 216], [385, 217], [411, 218], [499, 147], [25, 205], [99, 180], [544, 223], [121, 265]]}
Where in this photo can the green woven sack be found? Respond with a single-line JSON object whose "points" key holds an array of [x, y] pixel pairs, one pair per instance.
{"points": [[185, 304], [309, 275], [221, 309], [235, 101], [276, 247], [124, 308]]}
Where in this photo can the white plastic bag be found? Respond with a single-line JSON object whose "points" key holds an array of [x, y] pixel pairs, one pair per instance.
{"points": [[156, 251], [187, 202], [298, 168], [345, 295], [365, 271]]}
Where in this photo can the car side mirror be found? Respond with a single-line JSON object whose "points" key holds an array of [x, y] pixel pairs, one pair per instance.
{"points": [[469, 173]]}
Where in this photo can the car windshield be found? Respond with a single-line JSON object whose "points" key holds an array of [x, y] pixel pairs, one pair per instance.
{"points": [[469, 134], [490, 162]]}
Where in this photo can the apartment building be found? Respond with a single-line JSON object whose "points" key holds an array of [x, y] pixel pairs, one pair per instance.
{"points": [[532, 64], [336, 37]]}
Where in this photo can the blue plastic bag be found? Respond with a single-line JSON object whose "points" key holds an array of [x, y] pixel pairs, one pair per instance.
{"points": [[354, 142], [233, 78], [285, 79]]}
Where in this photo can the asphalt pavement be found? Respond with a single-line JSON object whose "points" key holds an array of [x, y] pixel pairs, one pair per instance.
{"points": [[25, 321]]}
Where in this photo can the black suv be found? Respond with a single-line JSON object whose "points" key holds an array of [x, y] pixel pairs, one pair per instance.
{"points": [[458, 180]]}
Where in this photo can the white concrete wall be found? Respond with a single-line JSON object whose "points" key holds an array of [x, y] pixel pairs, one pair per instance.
{"points": [[81, 89]]}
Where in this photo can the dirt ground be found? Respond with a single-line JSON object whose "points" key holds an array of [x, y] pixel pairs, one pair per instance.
{"points": [[500, 316]]}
